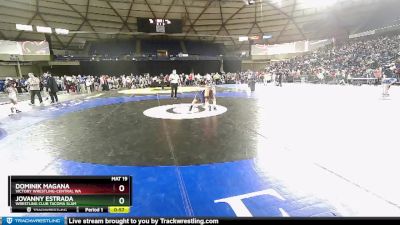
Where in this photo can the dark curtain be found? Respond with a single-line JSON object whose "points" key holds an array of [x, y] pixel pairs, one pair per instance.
{"points": [[232, 66]]}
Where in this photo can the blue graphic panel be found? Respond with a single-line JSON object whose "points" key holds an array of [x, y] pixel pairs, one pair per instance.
{"points": [[3, 133], [157, 192], [208, 183]]}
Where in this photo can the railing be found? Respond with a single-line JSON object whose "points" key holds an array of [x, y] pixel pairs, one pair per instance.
{"points": [[363, 80], [333, 80]]}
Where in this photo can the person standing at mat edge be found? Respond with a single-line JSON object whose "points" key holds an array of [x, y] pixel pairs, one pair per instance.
{"points": [[34, 88], [251, 81], [12, 95], [51, 87], [174, 81]]}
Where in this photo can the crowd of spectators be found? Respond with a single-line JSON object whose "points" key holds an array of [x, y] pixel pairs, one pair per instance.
{"points": [[89, 83], [367, 57]]}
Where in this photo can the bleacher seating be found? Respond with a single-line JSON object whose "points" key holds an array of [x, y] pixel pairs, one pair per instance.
{"points": [[203, 48], [150, 47], [71, 58], [113, 48], [126, 50]]}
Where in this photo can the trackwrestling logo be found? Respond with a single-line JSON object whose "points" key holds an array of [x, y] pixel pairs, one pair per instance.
{"points": [[34, 220]]}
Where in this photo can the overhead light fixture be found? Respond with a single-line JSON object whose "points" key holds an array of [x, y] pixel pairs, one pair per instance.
{"points": [[255, 37], [43, 29], [277, 3], [243, 38], [62, 31], [249, 2], [24, 27], [265, 37], [318, 3]]}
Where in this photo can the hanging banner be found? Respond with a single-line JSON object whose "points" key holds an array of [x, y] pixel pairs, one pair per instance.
{"points": [[24, 48], [10, 47], [34, 47]]}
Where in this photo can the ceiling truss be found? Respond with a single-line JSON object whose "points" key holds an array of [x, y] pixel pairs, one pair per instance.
{"points": [[219, 21]]}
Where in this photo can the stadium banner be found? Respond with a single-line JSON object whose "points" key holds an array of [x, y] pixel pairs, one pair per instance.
{"points": [[314, 45], [278, 49], [288, 48], [24, 48], [34, 47], [363, 34], [10, 48], [65, 63]]}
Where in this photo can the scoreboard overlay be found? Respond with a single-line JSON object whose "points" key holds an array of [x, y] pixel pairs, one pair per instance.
{"points": [[63, 194]]}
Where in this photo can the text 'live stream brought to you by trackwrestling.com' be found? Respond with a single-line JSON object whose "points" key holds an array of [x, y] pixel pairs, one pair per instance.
{"points": [[140, 221], [103, 221]]}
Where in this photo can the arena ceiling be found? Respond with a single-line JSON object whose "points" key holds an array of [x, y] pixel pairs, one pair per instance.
{"points": [[213, 20]]}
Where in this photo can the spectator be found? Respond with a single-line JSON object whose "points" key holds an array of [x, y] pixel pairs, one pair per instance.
{"points": [[12, 95], [52, 87], [34, 88]]}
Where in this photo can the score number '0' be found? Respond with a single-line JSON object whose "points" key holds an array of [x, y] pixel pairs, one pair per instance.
{"points": [[121, 200]]}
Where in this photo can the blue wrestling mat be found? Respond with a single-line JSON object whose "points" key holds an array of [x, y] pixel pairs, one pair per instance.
{"points": [[200, 178]]}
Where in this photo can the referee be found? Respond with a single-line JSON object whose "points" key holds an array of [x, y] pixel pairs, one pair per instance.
{"points": [[174, 81]]}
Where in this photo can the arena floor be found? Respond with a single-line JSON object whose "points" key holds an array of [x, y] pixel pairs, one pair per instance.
{"points": [[300, 150]]}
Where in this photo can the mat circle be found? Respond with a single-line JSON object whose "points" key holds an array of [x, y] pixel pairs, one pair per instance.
{"points": [[182, 112]]}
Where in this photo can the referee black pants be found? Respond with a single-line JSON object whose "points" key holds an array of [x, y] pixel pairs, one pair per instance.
{"points": [[33, 93], [53, 96], [174, 90]]}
